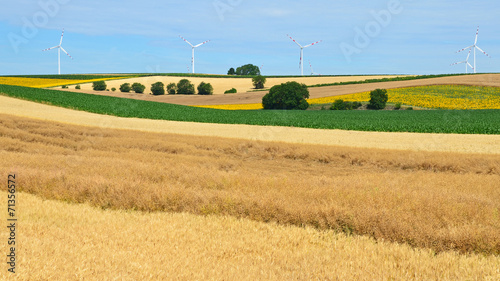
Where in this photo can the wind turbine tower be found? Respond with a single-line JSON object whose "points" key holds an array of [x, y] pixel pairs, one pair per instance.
{"points": [[59, 48], [301, 63], [475, 46], [192, 48]]}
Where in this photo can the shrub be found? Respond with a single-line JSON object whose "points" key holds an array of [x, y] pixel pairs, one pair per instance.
{"points": [[99, 86], [158, 88], [259, 81], [171, 88], [345, 105], [378, 99], [397, 106], [409, 108], [289, 95], [232, 91], [78, 87], [205, 89], [184, 87], [125, 88], [113, 89], [64, 86], [138, 88]]}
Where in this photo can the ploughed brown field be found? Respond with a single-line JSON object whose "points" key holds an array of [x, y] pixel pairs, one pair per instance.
{"points": [[244, 97]]}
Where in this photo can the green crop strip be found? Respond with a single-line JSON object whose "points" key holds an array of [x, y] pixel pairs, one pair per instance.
{"points": [[428, 121]]}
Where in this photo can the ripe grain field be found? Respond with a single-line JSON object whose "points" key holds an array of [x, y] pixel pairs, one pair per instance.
{"points": [[437, 201], [61, 241]]}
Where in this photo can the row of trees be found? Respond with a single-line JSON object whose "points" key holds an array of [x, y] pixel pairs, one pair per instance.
{"points": [[184, 87]]}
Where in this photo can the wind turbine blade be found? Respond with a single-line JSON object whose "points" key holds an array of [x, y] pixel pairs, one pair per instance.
{"points": [[470, 65], [477, 32], [62, 34], [51, 48], [313, 44], [62, 49], [483, 51], [466, 48], [186, 41], [201, 44], [294, 40], [468, 55], [458, 63]]}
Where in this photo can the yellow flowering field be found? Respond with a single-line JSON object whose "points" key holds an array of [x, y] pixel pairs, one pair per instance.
{"points": [[45, 82], [442, 97]]}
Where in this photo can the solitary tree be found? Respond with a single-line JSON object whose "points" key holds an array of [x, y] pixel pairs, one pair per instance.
{"points": [[99, 86], [171, 88], [138, 88], [259, 81], [125, 87], [231, 71], [158, 88], [289, 95], [205, 89], [184, 87], [378, 99]]}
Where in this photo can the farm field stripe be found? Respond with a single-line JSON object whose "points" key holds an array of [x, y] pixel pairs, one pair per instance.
{"points": [[429, 121], [47, 82], [403, 141], [214, 248]]}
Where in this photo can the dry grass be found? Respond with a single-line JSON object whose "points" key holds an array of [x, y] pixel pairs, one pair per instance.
{"points": [[60, 241], [440, 201]]}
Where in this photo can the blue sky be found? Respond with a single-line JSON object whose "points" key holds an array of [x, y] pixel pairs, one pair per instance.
{"points": [[359, 36]]}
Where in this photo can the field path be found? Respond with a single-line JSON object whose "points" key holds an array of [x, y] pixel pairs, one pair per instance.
{"points": [[492, 80], [488, 144]]}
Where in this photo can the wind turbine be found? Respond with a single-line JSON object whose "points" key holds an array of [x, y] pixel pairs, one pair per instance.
{"points": [[475, 46], [59, 48], [312, 71], [301, 64], [466, 61], [192, 47]]}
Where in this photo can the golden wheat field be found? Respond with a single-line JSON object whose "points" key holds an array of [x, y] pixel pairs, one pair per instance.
{"points": [[441, 201], [62, 241]]}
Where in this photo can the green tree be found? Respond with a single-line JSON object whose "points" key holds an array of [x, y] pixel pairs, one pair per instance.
{"points": [[138, 88], [158, 88], [248, 69], [99, 86], [231, 71], [171, 88], [185, 87], [289, 95], [125, 87], [378, 99], [259, 81], [205, 89]]}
